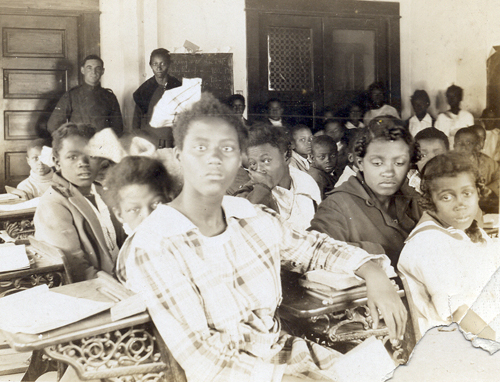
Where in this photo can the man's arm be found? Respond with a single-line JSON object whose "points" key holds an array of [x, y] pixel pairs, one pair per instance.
{"points": [[61, 113], [115, 117]]}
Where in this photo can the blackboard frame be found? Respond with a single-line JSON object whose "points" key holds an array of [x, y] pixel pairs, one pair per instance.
{"points": [[215, 70]]}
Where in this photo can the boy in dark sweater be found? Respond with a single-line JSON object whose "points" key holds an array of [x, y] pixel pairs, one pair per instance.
{"points": [[323, 162]]}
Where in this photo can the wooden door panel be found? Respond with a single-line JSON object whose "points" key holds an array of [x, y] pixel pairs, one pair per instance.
{"points": [[19, 124], [39, 62], [33, 83], [16, 167], [355, 56], [32, 42], [293, 69]]}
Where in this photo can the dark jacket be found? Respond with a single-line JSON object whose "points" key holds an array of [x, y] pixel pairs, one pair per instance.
{"points": [[92, 105], [352, 214]]}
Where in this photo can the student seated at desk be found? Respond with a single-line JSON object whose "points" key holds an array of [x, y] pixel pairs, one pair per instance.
{"points": [[71, 215], [447, 254], [467, 143], [300, 138], [323, 162], [136, 186], [432, 142], [292, 193], [377, 103], [370, 210], [208, 267], [40, 178]]}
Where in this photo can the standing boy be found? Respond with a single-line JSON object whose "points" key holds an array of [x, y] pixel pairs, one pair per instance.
{"points": [[88, 103], [150, 92]]}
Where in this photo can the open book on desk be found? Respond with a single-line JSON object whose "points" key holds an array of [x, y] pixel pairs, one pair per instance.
{"points": [[38, 310], [333, 287]]}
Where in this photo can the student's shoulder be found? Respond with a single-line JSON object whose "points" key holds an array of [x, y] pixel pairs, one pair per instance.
{"points": [[315, 172], [486, 160]]}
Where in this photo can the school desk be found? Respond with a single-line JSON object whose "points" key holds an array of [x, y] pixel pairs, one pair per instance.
{"points": [[98, 347], [341, 325]]}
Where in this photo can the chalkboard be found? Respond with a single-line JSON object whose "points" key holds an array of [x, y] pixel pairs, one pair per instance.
{"points": [[215, 70]]}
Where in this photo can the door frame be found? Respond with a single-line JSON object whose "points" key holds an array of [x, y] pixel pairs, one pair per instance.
{"points": [[384, 12]]}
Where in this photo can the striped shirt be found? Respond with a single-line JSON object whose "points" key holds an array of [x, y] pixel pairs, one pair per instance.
{"points": [[214, 299]]}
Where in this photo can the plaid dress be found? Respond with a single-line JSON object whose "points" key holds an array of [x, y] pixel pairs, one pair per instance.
{"points": [[214, 299]]}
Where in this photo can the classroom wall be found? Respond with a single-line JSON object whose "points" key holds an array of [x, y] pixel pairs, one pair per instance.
{"points": [[442, 42]]}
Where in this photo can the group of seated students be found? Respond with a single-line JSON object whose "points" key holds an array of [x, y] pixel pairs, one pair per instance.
{"points": [[207, 258]]}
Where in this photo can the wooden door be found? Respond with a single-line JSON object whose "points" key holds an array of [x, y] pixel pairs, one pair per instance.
{"points": [[39, 62], [356, 54], [341, 46], [291, 66]]}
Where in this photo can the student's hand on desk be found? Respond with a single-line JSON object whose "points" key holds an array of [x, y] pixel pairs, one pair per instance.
{"points": [[382, 295]]}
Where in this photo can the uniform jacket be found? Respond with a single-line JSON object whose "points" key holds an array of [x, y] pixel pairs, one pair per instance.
{"points": [[352, 214], [92, 105], [65, 219]]}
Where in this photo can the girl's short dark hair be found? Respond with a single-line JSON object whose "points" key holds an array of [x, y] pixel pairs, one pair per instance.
{"points": [[207, 106], [386, 128], [67, 130], [262, 133], [160, 52], [431, 133], [138, 170], [420, 94], [455, 89], [446, 165]]}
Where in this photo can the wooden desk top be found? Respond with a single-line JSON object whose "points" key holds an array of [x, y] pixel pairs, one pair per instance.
{"points": [[98, 324], [299, 304]]}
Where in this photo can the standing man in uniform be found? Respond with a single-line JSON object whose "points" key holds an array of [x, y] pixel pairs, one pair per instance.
{"points": [[148, 95], [88, 103]]}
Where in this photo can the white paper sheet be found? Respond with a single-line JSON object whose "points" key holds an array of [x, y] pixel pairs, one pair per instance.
{"points": [[20, 206], [13, 257], [38, 310]]}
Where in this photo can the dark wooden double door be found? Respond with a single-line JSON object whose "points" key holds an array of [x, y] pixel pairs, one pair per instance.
{"points": [[311, 62]]}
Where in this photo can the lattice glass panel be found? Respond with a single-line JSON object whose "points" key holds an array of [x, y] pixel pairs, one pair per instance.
{"points": [[290, 64]]}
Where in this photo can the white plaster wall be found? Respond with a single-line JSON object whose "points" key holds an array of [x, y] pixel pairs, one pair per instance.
{"points": [[210, 24], [442, 42], [447, 42]]}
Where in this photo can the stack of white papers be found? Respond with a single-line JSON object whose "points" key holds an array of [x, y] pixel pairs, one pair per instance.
{"points": [[32, 203], [38, 310], [13, 258]]}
